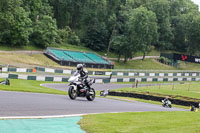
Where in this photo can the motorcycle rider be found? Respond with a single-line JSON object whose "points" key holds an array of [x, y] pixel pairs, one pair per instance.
{"points": [[83, 74], [166, 100]]}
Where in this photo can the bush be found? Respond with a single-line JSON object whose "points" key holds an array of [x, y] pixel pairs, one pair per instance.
{"points": [[67, 36], [162, 59]]}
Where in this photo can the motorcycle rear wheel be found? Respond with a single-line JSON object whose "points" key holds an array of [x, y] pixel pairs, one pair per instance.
{"points": [[72, 93], [89, 96]]}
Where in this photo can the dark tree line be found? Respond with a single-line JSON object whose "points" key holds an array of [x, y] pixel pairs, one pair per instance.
{"points": [[121, 26]]}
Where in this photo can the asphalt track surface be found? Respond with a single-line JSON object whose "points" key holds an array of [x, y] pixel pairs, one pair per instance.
{"points": [[37, 104]]}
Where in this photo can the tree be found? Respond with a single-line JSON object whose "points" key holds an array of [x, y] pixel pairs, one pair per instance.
{"points": [[179, 13], [45, 32], [161, 8], [15, 26], [142, 28], [96, 38], [191, 33]]}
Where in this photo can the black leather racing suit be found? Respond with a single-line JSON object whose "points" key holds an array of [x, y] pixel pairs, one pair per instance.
{"points": [[84, 75]]}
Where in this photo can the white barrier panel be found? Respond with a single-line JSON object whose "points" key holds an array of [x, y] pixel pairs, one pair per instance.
{"points": [[21, 69], [141, 74], [126, 79], [131, 74], [98, 81], [3, 75], [67, 71], [107, 73], [40, 78], [160, 79], [178, 74], [57, 79], [4, 69], [49, 70], [194, 74], [161, 74], [180, 79], [170, 79], [197, 79], [119, 74], [149, 79], [189, 79], [139, 79], [186, 74], [152, 74], [113, 80], [22, 77]]}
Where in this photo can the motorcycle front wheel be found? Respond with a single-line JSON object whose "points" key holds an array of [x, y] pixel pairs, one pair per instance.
{"points": [[72, 93], [90, 95]]}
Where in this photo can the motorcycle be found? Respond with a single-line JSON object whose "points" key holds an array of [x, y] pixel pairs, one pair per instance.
{"points": [[166, 103], [77, 88], [104, 93]]}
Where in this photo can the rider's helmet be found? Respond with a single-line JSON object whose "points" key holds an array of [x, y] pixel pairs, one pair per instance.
{"points": [[79, 67]]}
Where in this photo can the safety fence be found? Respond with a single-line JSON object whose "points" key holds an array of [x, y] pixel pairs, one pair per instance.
{"points": [[98, 80], [128, 74]]}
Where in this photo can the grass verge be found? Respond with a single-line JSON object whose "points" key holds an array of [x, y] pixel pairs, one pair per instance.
{"points": [[30, 86], [178, 91], [142, 122], [142, 100]]}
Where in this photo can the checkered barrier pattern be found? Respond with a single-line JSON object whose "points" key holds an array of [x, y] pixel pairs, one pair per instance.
{"points": [[130, 74], [104, 80]]}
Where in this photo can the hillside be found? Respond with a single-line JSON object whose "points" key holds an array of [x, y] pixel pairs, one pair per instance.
{"points": [[30, 58]]}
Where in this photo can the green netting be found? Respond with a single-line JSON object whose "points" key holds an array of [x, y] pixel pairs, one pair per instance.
{"points": [[54, 125]]}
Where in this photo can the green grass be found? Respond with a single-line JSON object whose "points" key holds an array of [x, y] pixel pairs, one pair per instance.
{"points": [[142, 122], [9, 48], [179, 91], [143, 100], [21, 59], [30, 86], [152, 64], [140, 64]]}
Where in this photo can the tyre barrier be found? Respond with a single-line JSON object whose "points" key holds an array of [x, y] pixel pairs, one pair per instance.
{"points": [[155, 98]]}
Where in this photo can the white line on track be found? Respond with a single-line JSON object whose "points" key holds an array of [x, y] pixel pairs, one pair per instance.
{"points": [[53, 116]]}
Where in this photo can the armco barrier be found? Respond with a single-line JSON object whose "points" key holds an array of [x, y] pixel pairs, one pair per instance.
{"points": [[130, 74], [155, 98], [98, 80]]}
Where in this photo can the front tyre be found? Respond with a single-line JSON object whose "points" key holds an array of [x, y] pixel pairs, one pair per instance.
{"points": [[72, 93], [90, 95]]}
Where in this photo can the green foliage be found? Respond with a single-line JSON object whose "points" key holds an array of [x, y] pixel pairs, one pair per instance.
{"points": [[67, 36], [95, 38], [161, 9], [142, 28], [15, 26], [45, 32], [162, 59], [102, 24]]}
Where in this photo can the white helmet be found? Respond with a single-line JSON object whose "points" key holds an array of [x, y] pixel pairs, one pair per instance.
{"points": [[79, 67]]}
